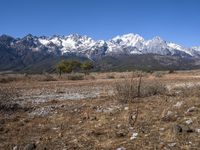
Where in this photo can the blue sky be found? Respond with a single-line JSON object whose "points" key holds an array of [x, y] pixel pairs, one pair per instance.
{"points": [[173, 20]]}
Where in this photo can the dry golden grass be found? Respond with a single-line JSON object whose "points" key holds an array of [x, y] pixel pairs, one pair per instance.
{"points": [[103, 122]]}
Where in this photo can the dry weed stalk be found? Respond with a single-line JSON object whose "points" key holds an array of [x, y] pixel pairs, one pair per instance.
{"points": [[130, 89]]}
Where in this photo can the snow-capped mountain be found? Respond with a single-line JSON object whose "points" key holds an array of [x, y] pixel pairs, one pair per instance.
{"points": [[85, 46], [45, 51]]}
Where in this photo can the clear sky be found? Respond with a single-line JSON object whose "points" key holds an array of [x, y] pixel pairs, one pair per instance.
{"points": [[172, 20]]}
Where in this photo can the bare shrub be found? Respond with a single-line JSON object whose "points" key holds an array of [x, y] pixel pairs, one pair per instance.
{"points": [[130, 89], [7, 79], [41, 77], [187, 90], [158, 74], [126, 91], [75, 77], [171, 71], [90, 77], [110, 76], [152, 88], [136, 74], [48, 77]]}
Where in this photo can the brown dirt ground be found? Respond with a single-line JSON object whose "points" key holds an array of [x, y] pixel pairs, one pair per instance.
{"points": [[101, 122]]}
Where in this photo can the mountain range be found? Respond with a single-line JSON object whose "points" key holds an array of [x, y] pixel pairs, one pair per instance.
{"points": [[43, 52]]}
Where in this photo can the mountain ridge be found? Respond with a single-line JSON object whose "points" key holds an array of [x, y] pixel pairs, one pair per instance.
{"points": [[29, 50], [84, 45]]}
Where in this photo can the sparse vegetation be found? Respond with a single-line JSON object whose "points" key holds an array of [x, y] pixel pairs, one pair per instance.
{"points": [[92, 114], [129, 89], [7, 79], [158, 74], [8, 98], [62, 67], [48, 77], [171, 71], [86, 67], [69, 66], [76, 76], [110, 76]]}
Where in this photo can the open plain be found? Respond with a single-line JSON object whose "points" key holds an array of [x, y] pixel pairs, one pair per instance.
{"points": [[47, 112]]}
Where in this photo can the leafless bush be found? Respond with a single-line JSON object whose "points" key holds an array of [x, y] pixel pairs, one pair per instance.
{"points": [[158, 74], [7, 79], [110, 76], [136, 74], [75, 77], [187, 90], [171, 71], [130, 89], [152, 88], [90, 77], [126, 91], [48, 77]]}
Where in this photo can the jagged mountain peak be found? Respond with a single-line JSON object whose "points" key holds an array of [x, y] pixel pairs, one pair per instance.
{"points": [[157, 38], [6, 39], [29, 37], [128, 38], [197, 48], [85, 46]]}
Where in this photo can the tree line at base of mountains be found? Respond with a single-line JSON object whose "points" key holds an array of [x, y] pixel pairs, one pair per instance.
{"points": [[69, 66]]}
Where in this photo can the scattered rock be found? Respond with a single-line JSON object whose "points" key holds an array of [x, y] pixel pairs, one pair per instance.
{"points": [[189, 121], [134, 136], [181, 128], [121, 130], [177, 129], [60, 135], [162, 129], [172, 144], [121, 148], [191, 109], [30, 146], [15, 148], [187, 129], [197, 130], [126, 108], [169, 116], [178, 104], [122, 133]]}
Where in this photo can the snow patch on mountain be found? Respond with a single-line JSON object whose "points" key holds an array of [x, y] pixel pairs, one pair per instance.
{"points": [[174, 46], [86, 46]]}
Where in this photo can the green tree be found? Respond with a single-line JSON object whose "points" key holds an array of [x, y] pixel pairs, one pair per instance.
{"points": [[74, 65], [61, 67], [68, 66], [86, 67]]}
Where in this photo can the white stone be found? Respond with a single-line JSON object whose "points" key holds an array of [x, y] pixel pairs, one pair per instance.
{"points": [[178, 104], [134, 136], [189, 121]]}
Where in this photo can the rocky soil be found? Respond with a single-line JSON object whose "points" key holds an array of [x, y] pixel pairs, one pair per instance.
{"points": [[87, 115]]}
